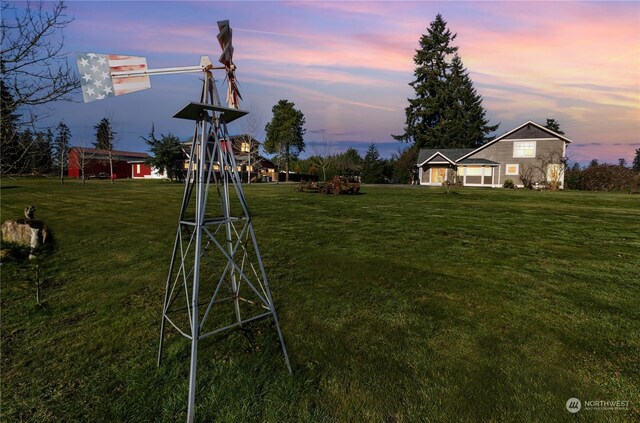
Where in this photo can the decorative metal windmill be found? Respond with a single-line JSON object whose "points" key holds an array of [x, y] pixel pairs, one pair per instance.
{"points": [[215, 254]]}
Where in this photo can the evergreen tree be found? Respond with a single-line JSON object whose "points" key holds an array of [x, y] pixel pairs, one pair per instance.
{"points": [[104, 135], [41, 152], [465, 123], [372, 166], [23, 152], [554, 125], [9, 124], [447, 111], [285, 133], [168, 155], [635, 165], [61, 148]]}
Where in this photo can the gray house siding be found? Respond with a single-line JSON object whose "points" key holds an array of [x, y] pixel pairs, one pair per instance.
{"points": [[424, 174], [547, 150], [528, 132], [529, 149]]}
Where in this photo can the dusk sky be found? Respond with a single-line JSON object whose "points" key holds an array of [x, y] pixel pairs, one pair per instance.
{"points": [[347, 66]]}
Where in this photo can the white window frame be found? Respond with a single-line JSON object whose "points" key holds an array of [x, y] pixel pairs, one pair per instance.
{"points": [[516, 151], [506, 171]]}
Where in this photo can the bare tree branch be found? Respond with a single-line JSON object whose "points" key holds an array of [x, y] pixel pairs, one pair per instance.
{"points": [[249, 150], [35, 72], [35, 68]]}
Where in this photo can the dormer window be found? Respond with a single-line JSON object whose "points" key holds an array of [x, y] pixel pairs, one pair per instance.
{"points": [[524, 149]]}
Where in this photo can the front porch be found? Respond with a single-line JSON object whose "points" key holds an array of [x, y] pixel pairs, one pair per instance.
{"points": [[485, 175]]}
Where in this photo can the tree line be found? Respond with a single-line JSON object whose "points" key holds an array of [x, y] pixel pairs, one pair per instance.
{"points": [[370, 168], [605, 177], [45, 152], [446, 111]]}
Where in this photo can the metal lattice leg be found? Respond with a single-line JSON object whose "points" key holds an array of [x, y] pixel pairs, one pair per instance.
{"points": [[212, 253]]}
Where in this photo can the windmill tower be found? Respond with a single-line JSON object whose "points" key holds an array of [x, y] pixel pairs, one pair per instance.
{"points": [[216, 279]]}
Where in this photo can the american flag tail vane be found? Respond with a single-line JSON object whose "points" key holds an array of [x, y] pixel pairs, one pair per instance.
{"points": [[109, 75]]}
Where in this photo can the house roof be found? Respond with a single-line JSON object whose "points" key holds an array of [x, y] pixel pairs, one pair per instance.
{"points": [[451, 154], [97, 153], [265, 163], [473, 161], [461, 155]]}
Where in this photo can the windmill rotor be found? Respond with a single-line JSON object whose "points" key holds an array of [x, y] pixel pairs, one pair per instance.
{"points": [[226, 58]]}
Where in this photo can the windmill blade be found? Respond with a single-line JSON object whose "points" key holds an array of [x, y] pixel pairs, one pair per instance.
{"points": [[233, 93], [225, 40], [96, 78]]}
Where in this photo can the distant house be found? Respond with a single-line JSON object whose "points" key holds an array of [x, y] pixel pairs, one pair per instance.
{"points": [[527, 154], [96, 162], [248, 160]]}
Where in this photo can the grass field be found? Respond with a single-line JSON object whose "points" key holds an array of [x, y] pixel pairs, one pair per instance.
{"points": [[402, 304]]}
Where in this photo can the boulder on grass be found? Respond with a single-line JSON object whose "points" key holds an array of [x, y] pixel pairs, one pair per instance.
{"points": [[25, 232]]}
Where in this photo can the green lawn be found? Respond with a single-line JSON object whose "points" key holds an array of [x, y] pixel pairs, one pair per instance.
{"points": [[402, 304]]}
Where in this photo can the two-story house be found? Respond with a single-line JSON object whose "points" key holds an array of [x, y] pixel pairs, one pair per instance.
{"points": [[527, 154]]}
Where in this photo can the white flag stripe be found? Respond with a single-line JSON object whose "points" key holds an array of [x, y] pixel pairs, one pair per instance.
{"points": [[131, 79], [130, 88]]}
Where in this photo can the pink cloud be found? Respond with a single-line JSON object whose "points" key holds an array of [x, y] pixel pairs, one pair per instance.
{"points": [[351, 61]]}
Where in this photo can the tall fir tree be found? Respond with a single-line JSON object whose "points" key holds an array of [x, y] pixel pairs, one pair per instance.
{"points": [[465, 120], [61, 148], [372, 166], [447, 111], [104, 135]]}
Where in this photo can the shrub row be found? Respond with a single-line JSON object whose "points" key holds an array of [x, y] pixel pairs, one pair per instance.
{"points": [[603, 177]]}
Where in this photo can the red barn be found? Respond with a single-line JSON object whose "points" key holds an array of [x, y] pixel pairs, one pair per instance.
{"points": [[96, 162], [139, 169], [142, 170]]}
